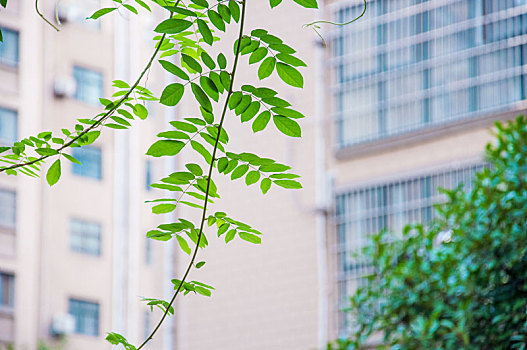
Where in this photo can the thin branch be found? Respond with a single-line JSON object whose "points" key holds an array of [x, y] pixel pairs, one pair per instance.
{"points": [[44, 18], [211, 167], [106, 115], [340, 24]]}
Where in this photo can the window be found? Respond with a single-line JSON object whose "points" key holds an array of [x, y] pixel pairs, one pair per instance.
{"points": [[8, 126], [148, 175], [86, 315], [85, 237], [412, 64], [9, 48], [148, 251], [91, 162], [147, 324], [7, 209], [7, 290], [89, 85], [367, 210]]}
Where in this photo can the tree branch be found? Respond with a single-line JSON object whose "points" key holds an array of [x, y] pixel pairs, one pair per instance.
{"points": [[102, 118], [211, 167]]}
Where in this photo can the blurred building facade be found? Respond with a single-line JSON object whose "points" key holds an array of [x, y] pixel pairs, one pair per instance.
{"points": [[78, 248], [399, 103], [414, 89]]}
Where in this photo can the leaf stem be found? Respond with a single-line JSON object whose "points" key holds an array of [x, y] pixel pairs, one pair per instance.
{"points": [[44, 18], [211, 167]]}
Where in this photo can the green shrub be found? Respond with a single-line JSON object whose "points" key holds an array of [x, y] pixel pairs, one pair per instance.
{"points": [[461, 282]]}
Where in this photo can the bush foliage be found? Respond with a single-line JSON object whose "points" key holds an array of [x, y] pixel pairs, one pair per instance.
{"points": [[460, 283]]}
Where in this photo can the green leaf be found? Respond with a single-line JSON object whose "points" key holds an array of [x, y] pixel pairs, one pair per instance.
{"points": [[224, 12], [144, 5], [102, 12], [184, 126], [230, 235], [225, 79], [201, 97], [200, 264], [194, 169], [250, 112], [292, 60], [235, 99], [191, 62], [183, 244], [202, 3], [243, 105], [239, 171], [198, 147], [172, 26], [222, 61], [71, 158], [290, 75], [287, 112], [266, 68], [261, 121], [172, 94], [209, 87], [216, 19], [258, 55], [172, 68], [252, 177], [265, 185], [130, 8], [249, 237], [165, 148], [235, 10], [222, 164], [178, 135], [54, 172], [209, 62], [47, 151], [274, 168], [287, 126], [203, 291], [311, 4], [205, 31], [3, 3], [289, 184], [163, 208], [274, 3], [140, 111]]}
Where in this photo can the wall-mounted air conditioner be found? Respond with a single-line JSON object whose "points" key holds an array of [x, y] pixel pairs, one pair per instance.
{"points": [[64, 87], [62, 324]]}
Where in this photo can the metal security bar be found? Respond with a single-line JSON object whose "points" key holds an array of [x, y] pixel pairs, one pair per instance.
{"points": [[363, 211], [412, 64]]}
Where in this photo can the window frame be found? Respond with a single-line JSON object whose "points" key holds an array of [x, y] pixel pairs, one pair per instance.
{"points": [[7, 63], [83, 236], [14, 114], [80, 169], [80, 74], [82, 304]]}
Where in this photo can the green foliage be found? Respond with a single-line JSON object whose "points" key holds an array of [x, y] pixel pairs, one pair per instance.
{"points": [[460, 283], [182, 44]]}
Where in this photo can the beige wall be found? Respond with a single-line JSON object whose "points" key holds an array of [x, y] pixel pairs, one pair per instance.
{"points": [[266, 296], [47, 273]]}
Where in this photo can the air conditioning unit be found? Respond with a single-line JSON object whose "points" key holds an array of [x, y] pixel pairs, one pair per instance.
{"points": [[64, 87], [62, 324], [68, 11]]}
